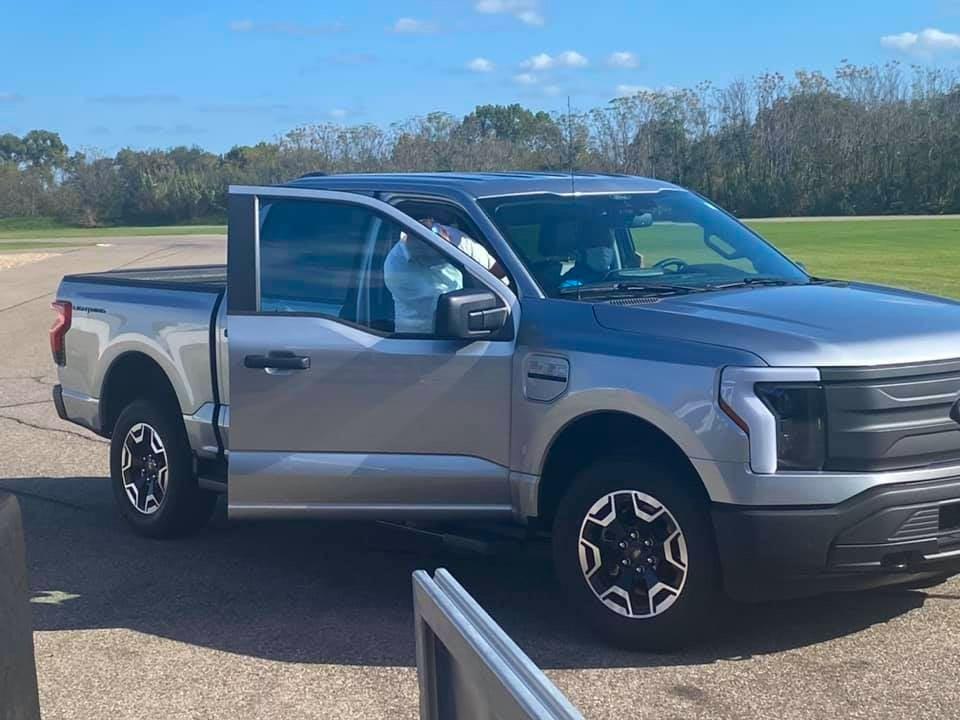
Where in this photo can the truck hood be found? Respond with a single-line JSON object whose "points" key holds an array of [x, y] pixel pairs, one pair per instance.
{"points": [[804, 325]]}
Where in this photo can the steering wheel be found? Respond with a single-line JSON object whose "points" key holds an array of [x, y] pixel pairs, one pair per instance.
{"points": [[676, 263]]}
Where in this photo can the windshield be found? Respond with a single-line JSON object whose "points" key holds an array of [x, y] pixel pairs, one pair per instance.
{"points": [[667, 240]]}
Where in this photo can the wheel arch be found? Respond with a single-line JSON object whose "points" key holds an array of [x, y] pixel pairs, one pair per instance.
{"points": [[605, 433], [130, 376]]}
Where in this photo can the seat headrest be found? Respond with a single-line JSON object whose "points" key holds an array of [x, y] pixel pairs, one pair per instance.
{"points": [[558, 238]]}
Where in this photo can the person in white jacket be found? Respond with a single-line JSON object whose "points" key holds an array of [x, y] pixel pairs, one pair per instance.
{"points": [[417, 275]]}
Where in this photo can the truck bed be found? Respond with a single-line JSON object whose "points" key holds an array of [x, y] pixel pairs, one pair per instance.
{"points": [[172, 316], [198, 278]]}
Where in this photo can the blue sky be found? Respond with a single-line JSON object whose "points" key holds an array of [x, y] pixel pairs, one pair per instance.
{"points": [[113, 74]]}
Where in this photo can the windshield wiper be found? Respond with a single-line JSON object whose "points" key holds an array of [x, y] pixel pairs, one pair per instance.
{"points": [[606, 288], [753, 282]]}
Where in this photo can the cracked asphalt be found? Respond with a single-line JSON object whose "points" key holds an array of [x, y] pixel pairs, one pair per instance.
{"points": [[314, 620]]}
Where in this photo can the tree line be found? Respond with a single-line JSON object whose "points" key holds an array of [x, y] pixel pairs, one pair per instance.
{"points": [[866, 140]]}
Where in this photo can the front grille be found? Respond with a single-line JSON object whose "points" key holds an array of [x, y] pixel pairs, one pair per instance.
{"points": [[892, 418]]}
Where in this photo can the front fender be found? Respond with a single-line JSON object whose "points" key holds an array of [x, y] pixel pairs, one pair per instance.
{"points": [[679, 400]]}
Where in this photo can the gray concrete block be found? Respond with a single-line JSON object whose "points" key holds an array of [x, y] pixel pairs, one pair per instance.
{"points": [[18, 670]]}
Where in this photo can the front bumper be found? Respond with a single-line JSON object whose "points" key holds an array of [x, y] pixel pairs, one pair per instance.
{"points": [[890, 534]]}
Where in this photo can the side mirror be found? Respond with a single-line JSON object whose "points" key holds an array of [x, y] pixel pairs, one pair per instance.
{"points": [[470, 314]]}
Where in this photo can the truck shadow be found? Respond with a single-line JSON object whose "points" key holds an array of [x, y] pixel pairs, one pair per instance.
{"points": [[340, 593]]}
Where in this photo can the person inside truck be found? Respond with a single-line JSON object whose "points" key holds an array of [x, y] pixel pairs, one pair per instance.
{"points": [[417, 275], [467, 244], [595, 255]]}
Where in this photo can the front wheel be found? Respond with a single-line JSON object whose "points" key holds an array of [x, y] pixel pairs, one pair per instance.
{"points": [[151, 468], [633, 546]]}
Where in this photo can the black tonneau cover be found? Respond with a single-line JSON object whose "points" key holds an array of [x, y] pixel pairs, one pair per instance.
{"points": [[202, 278]]}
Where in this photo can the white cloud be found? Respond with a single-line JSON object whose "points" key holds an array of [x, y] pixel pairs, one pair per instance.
{"points": [[338, 113], [531, 17], [626, 90], [412, 26], [552, 90], [7, 97], [543, 61], [526, 79], [925, 43], [480, 65], [538, 62], [526, 11], [572, 58], [622, 59], [903, 41]]}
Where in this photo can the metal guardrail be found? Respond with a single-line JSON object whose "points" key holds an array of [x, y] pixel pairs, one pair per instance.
{"points": [[469, 668], [18, 670]]}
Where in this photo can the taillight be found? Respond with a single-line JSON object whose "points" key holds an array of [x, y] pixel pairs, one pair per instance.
{"points": [[58, 332]]}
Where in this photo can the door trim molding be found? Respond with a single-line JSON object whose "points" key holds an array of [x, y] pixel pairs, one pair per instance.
{"points": [[388, 485], [378, 511]]}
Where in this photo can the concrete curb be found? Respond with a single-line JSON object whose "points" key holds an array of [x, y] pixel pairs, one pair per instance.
{"points": [[18, 672]]}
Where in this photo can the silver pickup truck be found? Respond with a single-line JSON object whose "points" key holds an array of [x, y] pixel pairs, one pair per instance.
{"points": [[613, 360]]}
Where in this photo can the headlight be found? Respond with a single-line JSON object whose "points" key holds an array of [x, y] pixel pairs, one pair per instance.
{"points": [[800, 412], [783, 411]]}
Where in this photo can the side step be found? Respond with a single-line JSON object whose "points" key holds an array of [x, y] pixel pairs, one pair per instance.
{"points": [[474, 540]]}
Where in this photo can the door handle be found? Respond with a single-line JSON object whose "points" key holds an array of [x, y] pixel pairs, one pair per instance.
{"points": [[277, 360]]}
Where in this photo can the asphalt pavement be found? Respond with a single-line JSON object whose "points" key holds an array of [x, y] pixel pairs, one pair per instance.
{"points": [[315, 620]]}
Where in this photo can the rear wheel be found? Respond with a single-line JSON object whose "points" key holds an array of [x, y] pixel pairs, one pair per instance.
{"points": [[151, 467], [634, 548]]}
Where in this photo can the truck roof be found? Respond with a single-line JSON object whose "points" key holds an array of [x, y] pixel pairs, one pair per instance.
{"points": [[483, 184]]}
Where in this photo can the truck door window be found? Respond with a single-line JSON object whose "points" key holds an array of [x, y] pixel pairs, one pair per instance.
{"points": [[308, 251], [349, 263], [452, 223]]}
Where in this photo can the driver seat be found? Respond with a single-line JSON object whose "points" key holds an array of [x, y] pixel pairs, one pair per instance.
{"points": [[556, 244]]}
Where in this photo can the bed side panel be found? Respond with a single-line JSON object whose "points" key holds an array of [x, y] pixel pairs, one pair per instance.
{"points": [[171, 326]]}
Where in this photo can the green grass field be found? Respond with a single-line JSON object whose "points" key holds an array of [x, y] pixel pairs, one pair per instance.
{"points": [[920, 254], [46, 229]]}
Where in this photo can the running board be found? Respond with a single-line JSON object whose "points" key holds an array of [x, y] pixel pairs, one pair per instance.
{"points": [[481, 540]]}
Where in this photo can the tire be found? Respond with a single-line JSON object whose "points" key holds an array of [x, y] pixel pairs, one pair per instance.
{"points": [[600, 513], [151, 469]]}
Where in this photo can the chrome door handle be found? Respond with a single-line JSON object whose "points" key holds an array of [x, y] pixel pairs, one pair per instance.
{"points": [[277, 360]]}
